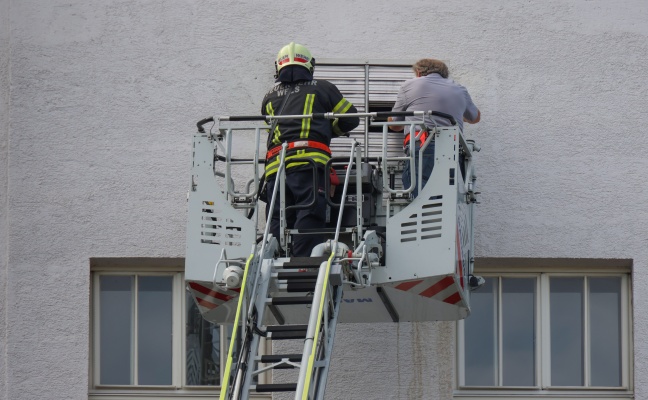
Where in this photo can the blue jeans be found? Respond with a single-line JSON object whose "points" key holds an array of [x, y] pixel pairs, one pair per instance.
{"points": [[428, 165]]}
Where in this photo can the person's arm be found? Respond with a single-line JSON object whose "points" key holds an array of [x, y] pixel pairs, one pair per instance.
{"points": [[399, 105], [475, 120], [472, 115], [396, 128], [342, 126]]}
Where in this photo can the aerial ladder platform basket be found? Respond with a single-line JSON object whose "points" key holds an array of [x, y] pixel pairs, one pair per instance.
{"points": [[388, 258]]}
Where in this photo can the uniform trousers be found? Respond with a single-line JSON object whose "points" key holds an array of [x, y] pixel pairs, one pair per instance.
{"points": [[300, 191]]}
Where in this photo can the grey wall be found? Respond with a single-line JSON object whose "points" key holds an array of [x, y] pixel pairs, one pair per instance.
{"points": [[4, 139], [105, 93]]}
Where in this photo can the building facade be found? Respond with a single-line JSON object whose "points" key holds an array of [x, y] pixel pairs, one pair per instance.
{"points": [[98, 102]]}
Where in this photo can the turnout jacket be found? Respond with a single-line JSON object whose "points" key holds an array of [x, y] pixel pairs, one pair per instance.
{"points": [[305, 97]]}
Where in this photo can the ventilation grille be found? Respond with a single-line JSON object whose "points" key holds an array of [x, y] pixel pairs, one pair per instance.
{"points": [[424, 225], [217, 229]]}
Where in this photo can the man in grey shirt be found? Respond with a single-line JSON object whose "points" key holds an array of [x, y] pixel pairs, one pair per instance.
{"points": [[432, 90]]}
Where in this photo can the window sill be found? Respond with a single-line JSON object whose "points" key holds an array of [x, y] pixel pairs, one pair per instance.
{"points": [[160, 394], [534, 394]]}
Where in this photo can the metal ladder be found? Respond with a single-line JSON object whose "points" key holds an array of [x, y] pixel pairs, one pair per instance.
{"points": [[275, 283], [287, 282]]}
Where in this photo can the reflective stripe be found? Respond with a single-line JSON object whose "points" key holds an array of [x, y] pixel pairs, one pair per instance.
{"points": [[342, 106], [270, 111], [321, 158], [308, 109], [336, 129]]}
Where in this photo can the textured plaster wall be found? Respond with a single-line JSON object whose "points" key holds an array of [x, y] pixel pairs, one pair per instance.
{"points": [[105, 93], [4, 140]]}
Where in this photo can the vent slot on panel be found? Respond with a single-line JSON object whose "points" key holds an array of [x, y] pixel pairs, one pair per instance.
{"points": [[218, 230], [428, 226]]}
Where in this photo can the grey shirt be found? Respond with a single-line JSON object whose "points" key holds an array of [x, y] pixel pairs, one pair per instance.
{"points": [[434, 93]]}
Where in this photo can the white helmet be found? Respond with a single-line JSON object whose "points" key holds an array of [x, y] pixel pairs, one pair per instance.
{"points": [[294, 54]]}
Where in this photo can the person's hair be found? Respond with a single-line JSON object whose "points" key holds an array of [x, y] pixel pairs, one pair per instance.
{"points": [[427, 66]]}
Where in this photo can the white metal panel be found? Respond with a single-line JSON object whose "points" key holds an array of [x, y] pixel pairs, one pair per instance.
{"points": [[384, 82], [366, 86], [212, 223], [412, 234]]}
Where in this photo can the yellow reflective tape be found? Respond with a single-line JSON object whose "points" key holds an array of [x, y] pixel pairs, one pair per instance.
{"points": [[317, 157], [336, 129], [226, 375], [346, 108], [320, 312], [341, 107], [308, 109], [277, 133]]}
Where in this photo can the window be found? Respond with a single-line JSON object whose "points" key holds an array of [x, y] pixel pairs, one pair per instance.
{"points": [[135, 330], [148, 334], [545, 333]]}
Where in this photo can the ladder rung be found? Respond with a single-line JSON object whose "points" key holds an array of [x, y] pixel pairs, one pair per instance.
{"points": [[287, 335], [306, 275], [291, 300], [270, 358], [283, 332], [275, 387], [300, 287], [274, 358], [304, 262], [284, 328]]}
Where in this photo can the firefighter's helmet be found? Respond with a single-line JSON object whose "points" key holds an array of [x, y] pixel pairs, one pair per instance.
{"points": [[294, 54]]}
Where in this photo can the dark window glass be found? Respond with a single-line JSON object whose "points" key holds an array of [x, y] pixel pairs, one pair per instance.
{"points": [[480, 358], [566, 308], [518, 331], [115, 330]]}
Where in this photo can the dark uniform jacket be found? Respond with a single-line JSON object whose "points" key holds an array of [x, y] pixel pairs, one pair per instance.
{"points": [[305, 96]]}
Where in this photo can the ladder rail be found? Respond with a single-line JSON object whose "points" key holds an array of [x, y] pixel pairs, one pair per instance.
{"points": [[266, 231], [319, 297], [230, 354], [313, 332], [252, 265], [347, 175], [319, 390], [258, 306]]}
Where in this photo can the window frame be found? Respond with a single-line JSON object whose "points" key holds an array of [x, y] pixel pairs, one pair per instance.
{"points": [[178, 389], [543, 271]]}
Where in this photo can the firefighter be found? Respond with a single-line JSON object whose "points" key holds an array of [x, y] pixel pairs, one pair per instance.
{"points": [[295, 92]]}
